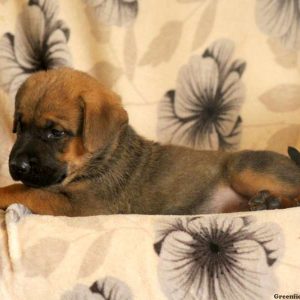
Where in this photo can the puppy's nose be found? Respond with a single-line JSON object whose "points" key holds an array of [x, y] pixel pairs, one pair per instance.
{"points": [[21, 165]]}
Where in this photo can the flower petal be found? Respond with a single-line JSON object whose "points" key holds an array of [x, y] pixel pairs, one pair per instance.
{"points": [[291, 39], [233, 96], [112, 289], [177, 271], [168, 225], [9, 68], [231, 141], [173, 129], [16, 83], [197, 84], [63, 27], [168, 119], [274, 17], [248, 276], [221, 51], [226, 225], [57, 54], [30, 31], [48, 7], [115, 12], [270, 238], [238, 66], [205, 140]]}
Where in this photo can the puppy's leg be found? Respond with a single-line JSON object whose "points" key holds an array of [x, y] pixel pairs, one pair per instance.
{"points": [[39, 201], [267, 179]]}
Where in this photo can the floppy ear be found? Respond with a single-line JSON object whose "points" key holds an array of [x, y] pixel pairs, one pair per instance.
{"points": [[103, 118]]}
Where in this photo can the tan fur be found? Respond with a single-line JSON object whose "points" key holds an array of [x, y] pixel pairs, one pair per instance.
{"points": [[248, 183]]}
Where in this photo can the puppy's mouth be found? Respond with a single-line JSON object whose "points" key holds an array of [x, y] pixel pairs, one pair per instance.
{"points": [[37, 183]]}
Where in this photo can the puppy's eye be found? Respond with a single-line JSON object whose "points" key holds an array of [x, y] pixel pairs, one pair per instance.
{"points": [[55, 134]]}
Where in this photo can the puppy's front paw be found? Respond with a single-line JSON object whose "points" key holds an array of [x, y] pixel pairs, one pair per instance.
{"points": [[264, 200], [3, 196]]}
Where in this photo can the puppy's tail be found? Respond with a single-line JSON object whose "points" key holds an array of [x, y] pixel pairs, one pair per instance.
{"points": [[294, 154]]}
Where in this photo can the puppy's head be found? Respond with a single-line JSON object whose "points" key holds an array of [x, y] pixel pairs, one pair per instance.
{"points": [[61, 116]]}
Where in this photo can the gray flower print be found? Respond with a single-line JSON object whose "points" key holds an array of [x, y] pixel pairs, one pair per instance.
{"points": [[114, 12], [280, 19], [217, 258], [203, 111], [108, 288], [40, 43]]}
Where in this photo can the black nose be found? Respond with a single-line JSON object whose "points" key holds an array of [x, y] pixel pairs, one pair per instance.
{"points": [[21, 165]]}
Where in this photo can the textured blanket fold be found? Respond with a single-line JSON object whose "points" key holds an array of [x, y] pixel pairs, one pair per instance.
{"points": [[240, 256]]}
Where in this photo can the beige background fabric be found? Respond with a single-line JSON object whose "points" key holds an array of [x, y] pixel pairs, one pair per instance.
{"points": [[140, 52]]}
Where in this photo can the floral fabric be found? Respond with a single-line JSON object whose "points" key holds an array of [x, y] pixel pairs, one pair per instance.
{"points": [[220, 257]]}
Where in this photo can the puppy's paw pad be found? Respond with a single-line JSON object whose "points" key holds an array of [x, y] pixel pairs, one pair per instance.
{"points": [[264, 200], [255, 207], [273, 202]]}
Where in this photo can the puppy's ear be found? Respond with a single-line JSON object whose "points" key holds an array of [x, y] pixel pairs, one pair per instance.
{"points": [[103, 118]]}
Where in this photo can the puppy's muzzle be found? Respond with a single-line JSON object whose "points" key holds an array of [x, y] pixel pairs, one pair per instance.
{"points": [[21, 166], [34, 173]]}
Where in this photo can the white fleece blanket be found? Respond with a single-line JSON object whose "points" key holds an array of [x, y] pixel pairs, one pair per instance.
{"points": [[124, 257]]}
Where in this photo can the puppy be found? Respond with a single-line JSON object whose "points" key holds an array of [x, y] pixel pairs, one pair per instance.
{"points": [[76, 155]]}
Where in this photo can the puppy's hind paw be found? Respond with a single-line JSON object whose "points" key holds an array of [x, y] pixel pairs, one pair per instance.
{"points": [[264, 200]]}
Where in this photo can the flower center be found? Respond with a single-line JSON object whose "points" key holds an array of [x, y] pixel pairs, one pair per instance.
{"points": [[210, 115], [43, 64], [214, 248]]}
